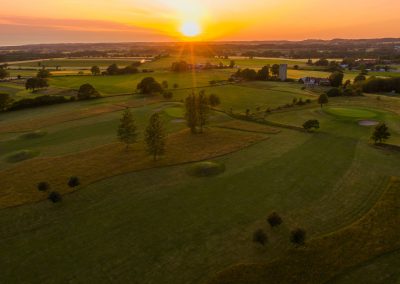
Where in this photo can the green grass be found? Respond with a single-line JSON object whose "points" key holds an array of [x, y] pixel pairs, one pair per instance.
{"points": [[351, 112], [164, 225]]}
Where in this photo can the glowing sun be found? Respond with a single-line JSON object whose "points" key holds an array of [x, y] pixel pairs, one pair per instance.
{"points": [[190, 29]]}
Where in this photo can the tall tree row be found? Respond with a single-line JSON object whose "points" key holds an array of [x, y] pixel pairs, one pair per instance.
{"points": [[197, 112]]}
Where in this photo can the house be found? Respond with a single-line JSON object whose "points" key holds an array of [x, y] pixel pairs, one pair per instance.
{"points": [[314, 81]]}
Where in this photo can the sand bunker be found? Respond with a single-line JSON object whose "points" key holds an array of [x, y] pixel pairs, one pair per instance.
{"points": [[368, 122]]}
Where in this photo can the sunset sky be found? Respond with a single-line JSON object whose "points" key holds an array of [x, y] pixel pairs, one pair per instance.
{"points": [[53, 21]]}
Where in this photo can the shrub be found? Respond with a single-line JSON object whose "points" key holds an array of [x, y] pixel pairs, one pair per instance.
{"points": [[310, 124], [87, 91], [298, 236], [73, 182], [260, 237], [274, 219], [167, 95], [214, 100], [38, 101], [55, 197], [43, 186]]}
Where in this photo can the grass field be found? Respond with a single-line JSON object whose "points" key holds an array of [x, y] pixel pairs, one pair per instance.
{"points": [[133, 220]]}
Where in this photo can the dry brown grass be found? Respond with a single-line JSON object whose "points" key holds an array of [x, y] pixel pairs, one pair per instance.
{"points": [[56, 118], [19, 182], [248, 126], [321, 259]]}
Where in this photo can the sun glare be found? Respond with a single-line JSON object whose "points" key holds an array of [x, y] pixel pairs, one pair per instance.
{"points": [[190, 29]]}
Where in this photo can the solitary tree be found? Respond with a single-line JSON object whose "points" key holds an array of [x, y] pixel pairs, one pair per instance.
{"points": [[323, 99], [274, 219], [95, 70], [203, 110], [55, 197], [73, 182], [87, 91], [214, 100], [232, 64], [164, 84], [310, 124], [155, 136], [127, 129], [260, 237], [191, 112], [149, 86], [298, 236], [43, 186], [381, 133]]}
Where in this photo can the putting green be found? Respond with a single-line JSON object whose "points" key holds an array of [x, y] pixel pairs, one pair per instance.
{"points": [[351, 112], [175, 112]]}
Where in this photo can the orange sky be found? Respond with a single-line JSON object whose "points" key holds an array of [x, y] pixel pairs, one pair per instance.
{"points": [[47, 21]]}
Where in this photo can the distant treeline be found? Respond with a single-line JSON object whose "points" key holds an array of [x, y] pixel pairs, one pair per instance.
{"points": [[376, 85]]}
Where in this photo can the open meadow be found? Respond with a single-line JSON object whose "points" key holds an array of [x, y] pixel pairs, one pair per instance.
{"points": [[145, 221]]}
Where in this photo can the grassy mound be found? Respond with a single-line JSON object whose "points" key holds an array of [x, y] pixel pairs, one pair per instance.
{"points": [[22, 155], [206, 169], [351, 112], [33, 135]]}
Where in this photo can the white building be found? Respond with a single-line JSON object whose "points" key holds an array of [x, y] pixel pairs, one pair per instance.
{"points": [[283, 72]]}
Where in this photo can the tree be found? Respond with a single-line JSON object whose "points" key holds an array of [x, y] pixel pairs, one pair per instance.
{"points": [[87, 91], [381, 133], [127, 129], [263, 73], [203, 110], [43, 186], [274, 219], [155, 136], [336, 79], [260, 237], [73, 182], [5, 101], [176, 86], [43, 73], [333, 92], [275, 70], [95, 70], [36, 83], [232, 64], [310, 124], [3, 73], [55, 197], [298, 236], [323, 99], [180, 66], [164, 84], [113, 69], [149, 86], [168, 95], [214, 100], [191, 112]]}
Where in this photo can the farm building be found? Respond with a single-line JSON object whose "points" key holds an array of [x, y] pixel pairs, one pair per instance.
{"points": [[314, 81]]}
